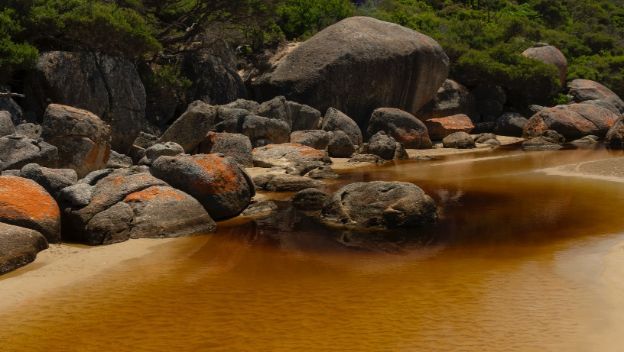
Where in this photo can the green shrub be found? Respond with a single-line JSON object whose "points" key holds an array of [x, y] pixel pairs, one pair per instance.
{"points": [[302, 18]]}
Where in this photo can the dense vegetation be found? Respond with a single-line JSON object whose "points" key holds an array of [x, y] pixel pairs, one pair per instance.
{"points": [[482, 37]]}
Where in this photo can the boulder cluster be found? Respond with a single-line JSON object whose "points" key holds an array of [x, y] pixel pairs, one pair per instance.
{"points": [[81, 160]]}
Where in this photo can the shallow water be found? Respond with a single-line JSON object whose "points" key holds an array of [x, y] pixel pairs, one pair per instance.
{"points": [[520, 261]]}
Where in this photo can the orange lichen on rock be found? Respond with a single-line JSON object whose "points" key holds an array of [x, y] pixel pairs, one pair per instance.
{"points": [[22, 198], [224, 177], [155, 192]]}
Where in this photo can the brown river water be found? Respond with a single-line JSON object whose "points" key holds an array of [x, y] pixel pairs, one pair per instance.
{"points": [[520, 261]]}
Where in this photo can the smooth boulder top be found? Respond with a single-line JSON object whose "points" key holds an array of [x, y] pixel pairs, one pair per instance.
{"points": [[584, 90], [357, 65], [572, 121], [25, 203], [218, 183], [549, 54], [380, 204]]}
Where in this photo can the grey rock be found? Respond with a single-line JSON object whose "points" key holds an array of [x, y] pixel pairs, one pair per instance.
{"points": [[76, 196], [340, 145], [615, 136], [284, 182], [276, 108], [107, 86], [511, 124], [583, 90], [234, 145], [336, 120], [161, 149], [29, 130], [359, 54], [304, 117], [458, 140], [6, 124], [452, 98], [378, 204], [53, 180], [323, 173], [118, 161], [248, 105], [260, 209], [294, 158], [262, 130], [317, 139], [367, 158], [385, 147], [400, 125], [572, 121], [484, 137], [82, 138], [112, 225], [17, 151], [19, 246], [190, 129], [310, 199]]}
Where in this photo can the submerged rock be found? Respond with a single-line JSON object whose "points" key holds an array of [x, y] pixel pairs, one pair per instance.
{"points": [[310, 199], [378, 204], [549, 140]]}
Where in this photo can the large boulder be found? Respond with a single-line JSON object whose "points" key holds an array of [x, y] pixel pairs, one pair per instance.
{"points": [[572, 121], [379, 204], [82, 138], [107, 86], [294, 158], [443, 126], [218, 183], [18, 246], [402, 126], [336, 120], [17, 151], [190, 129], [451, 99], [25, 203], [235, 145], [388, 65], [584, 90], [615, 136], [550, 55], [129, 203]]}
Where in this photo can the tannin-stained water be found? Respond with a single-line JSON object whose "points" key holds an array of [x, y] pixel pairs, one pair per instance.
{"points": [[520, 261]]}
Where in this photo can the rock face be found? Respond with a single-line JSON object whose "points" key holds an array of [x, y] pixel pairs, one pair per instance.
{"points": [[404, 127], [82, 139], [316, 139], [190, 129], [510, 124], [441, 127], [18, 246], [218, 183], [335, 120], [108, 87], [572, 121], [387, 64], [17, 151], [615, 136], [550, 55], [380, 205], [129, 203], [451, 99], [584, 90], [458, 140], [24, 203], [235, 145], [295, 158]]}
